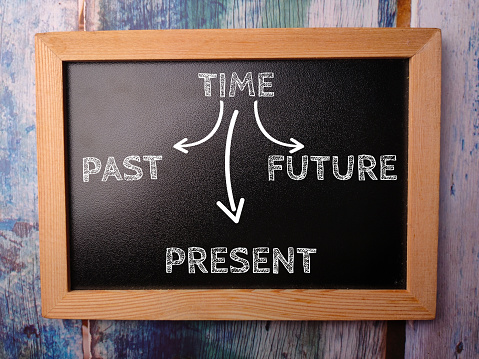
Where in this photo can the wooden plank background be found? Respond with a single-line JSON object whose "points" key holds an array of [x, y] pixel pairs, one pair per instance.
{"points": [[455, 332], [25, 334]]}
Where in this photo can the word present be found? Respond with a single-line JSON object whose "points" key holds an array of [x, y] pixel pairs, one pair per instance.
{"points": [[259, 261]]}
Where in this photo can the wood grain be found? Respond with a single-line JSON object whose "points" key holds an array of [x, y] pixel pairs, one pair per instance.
{"points": [[24, 333], [237, 14], [423, 171], [455, 332], [235, 339], [234, 304], [51, 170], [404, 13], [237, 44]]}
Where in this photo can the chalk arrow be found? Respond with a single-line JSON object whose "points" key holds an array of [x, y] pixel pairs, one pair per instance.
{"points": [[181, 146], [296, 145], [234, 218], [230, 212]]}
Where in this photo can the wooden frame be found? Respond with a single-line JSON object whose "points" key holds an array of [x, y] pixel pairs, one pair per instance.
{"points": [[417, 301]]}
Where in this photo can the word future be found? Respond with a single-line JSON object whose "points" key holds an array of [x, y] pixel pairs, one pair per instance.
{"points": [[366, 164]]}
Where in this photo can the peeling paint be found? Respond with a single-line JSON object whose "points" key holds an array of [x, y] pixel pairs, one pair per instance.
{"points": [[10, 260], [30, 330], [22, 229], [387, 13], [7, 224], [24, 333], [30, 129]]}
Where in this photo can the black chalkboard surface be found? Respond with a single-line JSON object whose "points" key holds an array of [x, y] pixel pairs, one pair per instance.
{"points": [[134, 198]]}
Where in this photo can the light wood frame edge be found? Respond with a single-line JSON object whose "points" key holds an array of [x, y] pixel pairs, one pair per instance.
{"points": [[422, 46]]}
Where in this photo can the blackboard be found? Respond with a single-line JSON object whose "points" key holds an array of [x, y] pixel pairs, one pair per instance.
{"points": [[121, 226], [248, 174]]}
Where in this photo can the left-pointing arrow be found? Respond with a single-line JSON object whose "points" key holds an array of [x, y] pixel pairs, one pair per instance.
{"points": [[229, 212], [181, 145]]}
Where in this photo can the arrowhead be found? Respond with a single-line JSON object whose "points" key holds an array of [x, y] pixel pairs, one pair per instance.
{"points": [[179, 146], [234, 218], [298, 146]]}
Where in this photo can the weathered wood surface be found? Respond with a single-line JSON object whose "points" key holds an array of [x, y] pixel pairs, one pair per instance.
{"points": [[455, 332], [23, 331], [250, 339], [143, 339], [228, 14]]}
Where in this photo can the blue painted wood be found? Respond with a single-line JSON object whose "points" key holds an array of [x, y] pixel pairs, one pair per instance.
{"points": [[222, 14], [23, 332], [178, 14], [387, 13], [249, 339], [202, 340], [455, 332]]}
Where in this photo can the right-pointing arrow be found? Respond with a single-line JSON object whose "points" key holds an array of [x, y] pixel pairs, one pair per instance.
{"points": [[296, 145]]}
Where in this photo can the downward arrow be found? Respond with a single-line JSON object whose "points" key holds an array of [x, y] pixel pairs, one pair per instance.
{"points": [[229, 212], [234, 218]]}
